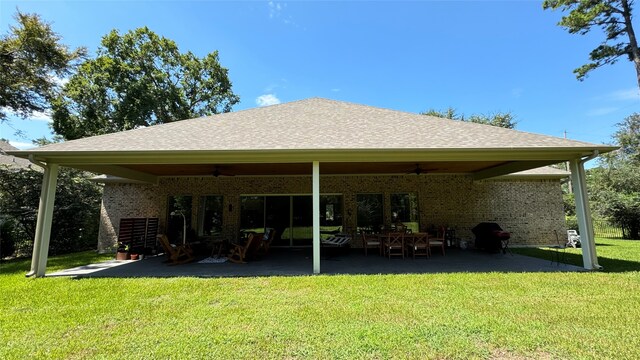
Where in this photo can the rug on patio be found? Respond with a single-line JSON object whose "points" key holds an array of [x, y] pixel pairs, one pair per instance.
{"points": [[213, 260]]}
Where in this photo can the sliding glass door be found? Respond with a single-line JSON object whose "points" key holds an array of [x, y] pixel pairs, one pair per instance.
{"points": [[291, 216], [278, 217]]}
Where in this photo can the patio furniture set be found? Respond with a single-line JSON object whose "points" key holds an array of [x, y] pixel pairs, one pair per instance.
{"points": [[394, 241], [403, 242]]}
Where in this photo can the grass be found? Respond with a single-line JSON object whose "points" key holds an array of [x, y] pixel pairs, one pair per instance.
{"points": [[453, 316], [614, 255]]}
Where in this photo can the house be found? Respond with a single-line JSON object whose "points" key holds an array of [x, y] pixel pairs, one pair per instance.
{"points": [[10, 161], [316, 165]]}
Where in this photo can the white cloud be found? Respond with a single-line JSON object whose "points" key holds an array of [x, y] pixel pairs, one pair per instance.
{"points": [[36, 115], [21, 145], [623, 95], [274, 9], [629, 94], [267, 99], [277, 11], [517, 92], [601, 111], [280, 84], [41, 116]]}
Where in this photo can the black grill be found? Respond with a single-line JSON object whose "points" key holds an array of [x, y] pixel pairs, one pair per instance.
{"points": [[490, 237]]}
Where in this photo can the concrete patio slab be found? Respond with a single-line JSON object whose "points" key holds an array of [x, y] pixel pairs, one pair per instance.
{"points": [[295, 262]]}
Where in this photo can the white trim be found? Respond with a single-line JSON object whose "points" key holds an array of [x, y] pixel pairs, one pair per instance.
{"points": [[583, 214], [45, 218], [71, 158], [316, 216]]}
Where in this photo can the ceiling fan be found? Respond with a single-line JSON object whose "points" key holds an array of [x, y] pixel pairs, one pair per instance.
{"points": [[420, 170], [216, 172], [417, 170]]}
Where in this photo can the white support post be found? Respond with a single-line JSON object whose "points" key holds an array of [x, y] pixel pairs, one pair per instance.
{"points": [[316, 217], [583, 213], [43, 223], [38, 235]]}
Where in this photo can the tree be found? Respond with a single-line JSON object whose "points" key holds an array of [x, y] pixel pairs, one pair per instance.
{"points": [[504, 120], [76, 209], [615, 183], [32, 62], [628, 137], [614, 17], [140, 79]]}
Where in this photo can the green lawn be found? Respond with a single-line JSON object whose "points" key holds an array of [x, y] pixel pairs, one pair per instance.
{"points": [[481, 315]]}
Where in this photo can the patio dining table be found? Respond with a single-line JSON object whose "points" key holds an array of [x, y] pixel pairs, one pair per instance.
{"points": [[407, 239]]}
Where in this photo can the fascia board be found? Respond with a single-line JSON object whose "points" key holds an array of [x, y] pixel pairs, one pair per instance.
{"points": [[304, 155]]}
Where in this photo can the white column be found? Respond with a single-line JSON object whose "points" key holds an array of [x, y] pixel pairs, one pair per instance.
{"points": [[43, 223], [38, 235], [316, 217], [583, 213]]}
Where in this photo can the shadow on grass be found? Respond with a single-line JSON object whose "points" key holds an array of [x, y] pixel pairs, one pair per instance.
{"points": [[609, 265], [23, 265], [14, 266]]}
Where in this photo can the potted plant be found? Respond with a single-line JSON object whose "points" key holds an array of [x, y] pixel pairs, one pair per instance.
{"points": [[123, 252]]}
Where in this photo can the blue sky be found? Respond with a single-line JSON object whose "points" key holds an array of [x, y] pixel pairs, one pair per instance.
{"points": [[475, 56]]}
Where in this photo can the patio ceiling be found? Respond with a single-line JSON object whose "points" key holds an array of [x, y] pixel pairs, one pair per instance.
{"points": [[328, 168]]}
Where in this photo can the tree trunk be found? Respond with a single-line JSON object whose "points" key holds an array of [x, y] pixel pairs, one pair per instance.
{"points": [[633, 42]]}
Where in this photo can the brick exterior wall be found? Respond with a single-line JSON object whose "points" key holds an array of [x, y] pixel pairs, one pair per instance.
{"points": [[530, 209]]}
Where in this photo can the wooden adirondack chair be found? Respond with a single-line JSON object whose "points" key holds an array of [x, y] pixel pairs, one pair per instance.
{"points": [[176, 254], [240, 252], [263, 249]]}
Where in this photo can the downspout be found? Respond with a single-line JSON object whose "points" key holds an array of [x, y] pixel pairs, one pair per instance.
{"points": [[583, 160]]}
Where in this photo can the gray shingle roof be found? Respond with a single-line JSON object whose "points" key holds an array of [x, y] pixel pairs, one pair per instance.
{"points": [[316, 124], [545, 171], [10, 160]]}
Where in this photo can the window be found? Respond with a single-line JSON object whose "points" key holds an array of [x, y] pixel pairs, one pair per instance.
{"points": [[404, 209], [370, 212], [178, 205], [210, 215], [331, 211]]}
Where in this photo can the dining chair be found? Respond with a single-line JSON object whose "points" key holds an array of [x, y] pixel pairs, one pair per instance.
{"points": [[420, 245], [438, 240], [370, 240], [394, 244]]}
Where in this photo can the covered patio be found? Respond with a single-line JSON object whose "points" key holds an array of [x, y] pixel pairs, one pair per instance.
{"points": [[296, 262], [318, 147]]}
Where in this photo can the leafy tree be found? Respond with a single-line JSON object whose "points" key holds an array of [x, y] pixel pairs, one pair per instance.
{"points": [[615, 183], [76, 209], [450, 113], [140, 79], [31, 58], [505, 120], [614, 17], [628, 137]]}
